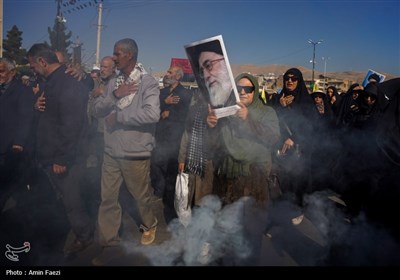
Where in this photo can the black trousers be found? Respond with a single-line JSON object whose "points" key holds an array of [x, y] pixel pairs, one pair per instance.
{"points": [[15, 174], [68, 189]]}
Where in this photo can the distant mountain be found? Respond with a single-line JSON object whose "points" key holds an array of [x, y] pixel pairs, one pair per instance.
{"points": [[280, 69]]}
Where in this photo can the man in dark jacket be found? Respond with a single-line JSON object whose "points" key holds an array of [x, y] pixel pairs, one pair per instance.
{"points": [[16, 119], [61, 128], [174, 106]]}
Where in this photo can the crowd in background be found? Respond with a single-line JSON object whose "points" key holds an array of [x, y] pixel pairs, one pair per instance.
{"points": [[69, 141]]}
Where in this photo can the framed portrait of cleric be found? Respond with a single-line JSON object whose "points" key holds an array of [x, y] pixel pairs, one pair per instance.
{"points": [[371, 74], [211, 68]]}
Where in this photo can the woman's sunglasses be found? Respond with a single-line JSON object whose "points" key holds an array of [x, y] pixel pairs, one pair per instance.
{"points": [[293, 79], [247, 89]]}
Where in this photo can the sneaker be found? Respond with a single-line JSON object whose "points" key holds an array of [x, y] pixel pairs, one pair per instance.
{"points": [[107, 255], [148, 236], [297, 220], [205, 256]]}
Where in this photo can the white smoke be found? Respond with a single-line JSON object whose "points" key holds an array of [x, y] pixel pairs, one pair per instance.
{"points": [[214, 233]]}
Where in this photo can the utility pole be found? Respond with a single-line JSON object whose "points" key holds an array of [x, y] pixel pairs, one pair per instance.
{"points": [[77, 54], [313, 60], [325, 59], [58, 24], [98, 34]]}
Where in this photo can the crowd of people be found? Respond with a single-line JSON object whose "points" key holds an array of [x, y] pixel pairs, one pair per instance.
{"points": [[76, 140]]}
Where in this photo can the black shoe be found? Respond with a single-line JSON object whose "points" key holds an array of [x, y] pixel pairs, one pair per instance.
{"points": [[107, 255], [78, 246]]}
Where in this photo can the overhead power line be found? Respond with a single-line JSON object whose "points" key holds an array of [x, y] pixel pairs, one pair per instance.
{"points": [[71, 6]]}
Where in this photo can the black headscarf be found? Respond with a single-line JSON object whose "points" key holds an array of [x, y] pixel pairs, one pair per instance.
{"points": [[334, 105], [388, 129], [344, 106], [297, 118], [300, 93]]}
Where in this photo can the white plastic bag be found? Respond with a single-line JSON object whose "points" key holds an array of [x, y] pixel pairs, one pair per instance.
{"points": [[181, 201]]}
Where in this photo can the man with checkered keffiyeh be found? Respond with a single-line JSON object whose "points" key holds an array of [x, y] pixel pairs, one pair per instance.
{"points": [[128, 144]]}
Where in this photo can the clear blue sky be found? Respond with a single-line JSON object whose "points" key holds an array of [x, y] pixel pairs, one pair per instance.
{"points": [[358, 35]]}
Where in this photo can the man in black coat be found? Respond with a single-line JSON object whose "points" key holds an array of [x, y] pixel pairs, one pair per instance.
{"points": [[174, 106], [16, 120], [60, 135]]}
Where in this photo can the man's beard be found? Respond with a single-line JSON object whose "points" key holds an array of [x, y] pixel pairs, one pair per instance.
{"points": [[220, 91], [169, 81]]}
